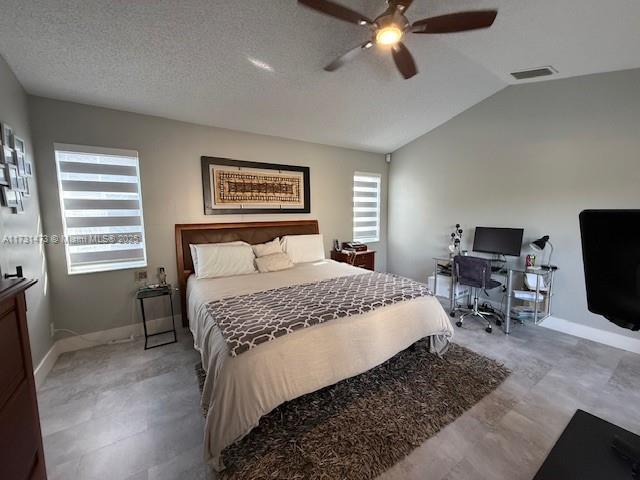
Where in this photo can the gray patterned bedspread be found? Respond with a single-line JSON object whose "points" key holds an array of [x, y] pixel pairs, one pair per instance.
{"points": [[246, 321]]}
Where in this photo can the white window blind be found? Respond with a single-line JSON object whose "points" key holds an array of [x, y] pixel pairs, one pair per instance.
{"points": [[101, 203], [366, 207]]}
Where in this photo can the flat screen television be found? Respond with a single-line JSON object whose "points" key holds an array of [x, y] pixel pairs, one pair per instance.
{"points": [[611, 257], [503, 241]]}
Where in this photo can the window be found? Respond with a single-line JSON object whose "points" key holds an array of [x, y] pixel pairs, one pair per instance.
{"points": [[101, 203], [366, 207]]}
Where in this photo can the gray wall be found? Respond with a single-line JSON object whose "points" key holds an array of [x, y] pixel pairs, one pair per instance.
{"points": [[13, 110], [169, 153], [531, 156]]}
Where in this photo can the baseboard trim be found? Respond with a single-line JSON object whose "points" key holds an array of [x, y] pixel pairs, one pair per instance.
{"points": [[79, 342], [594, 334], [73, 343], [46, 364]]}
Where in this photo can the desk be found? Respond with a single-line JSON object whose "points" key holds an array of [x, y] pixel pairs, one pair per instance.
{"points": [[508, 277]]}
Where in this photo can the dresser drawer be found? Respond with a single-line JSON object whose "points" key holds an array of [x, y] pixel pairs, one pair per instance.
{"points": [[11, 355], [19, 440], [364, 265], [364, 259]]}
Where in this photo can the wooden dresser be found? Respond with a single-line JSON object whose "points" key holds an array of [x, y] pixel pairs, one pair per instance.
{"points": [[21, 453], [364, 259]]}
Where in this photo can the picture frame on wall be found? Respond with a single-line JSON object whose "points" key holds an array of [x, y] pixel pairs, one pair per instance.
{"points": [[19, 144], [20, 163], [11, 173], [240, 187], [27, 188], [7, 135], [28, 168], [22, 184], [4, 180], [19, 208], [9, 197], [9, 155]]}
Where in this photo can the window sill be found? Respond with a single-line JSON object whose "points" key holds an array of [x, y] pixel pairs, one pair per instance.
{"points": [[109, 268]]}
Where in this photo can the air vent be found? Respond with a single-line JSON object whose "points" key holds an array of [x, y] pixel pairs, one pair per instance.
{"points": [[533, 73]]}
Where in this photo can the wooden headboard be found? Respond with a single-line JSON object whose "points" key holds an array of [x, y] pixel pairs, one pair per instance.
{"points": [[250, 232]]}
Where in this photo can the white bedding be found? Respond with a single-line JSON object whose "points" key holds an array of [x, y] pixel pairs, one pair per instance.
{"points": [[238, 391]]}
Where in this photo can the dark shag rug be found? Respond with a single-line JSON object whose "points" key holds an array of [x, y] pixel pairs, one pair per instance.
{"points": [[360, 427]]}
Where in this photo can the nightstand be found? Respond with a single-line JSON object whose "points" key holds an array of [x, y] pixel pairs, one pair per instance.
{"points": [[151, 292], [365, 259]]}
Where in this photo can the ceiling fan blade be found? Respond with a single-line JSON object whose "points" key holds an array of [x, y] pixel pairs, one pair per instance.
{"points": [[347, 57], [404, 60], [455, 22], [337, 11], [402, 5]]}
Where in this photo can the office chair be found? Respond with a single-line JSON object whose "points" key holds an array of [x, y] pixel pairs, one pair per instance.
{"points": [[474, 272]]}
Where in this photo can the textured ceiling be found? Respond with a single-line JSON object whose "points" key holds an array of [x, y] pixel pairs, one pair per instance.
{"points": [[200, 61]]}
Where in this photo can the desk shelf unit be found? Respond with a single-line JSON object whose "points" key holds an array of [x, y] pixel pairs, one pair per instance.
{"points": [[539, 287]]}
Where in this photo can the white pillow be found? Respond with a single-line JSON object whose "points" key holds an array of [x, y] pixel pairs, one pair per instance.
{"points": [[194, 253], [274, 262], [219, 260], [303, 248], [268, 248]]}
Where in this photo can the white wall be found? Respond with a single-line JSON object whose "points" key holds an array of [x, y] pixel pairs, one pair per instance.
{"points": [[169, 153], [13, 110], [531, 156]]}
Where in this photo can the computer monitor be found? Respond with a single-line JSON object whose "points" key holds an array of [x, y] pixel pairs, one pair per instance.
{"points": [[503, 241], [611, 257]]}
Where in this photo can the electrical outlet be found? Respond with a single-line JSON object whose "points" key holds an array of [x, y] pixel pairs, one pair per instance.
{"points": [[52, 329], [141, 276]]}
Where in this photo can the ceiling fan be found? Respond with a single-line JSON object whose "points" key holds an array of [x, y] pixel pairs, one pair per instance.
{"points": [[389, 28]]}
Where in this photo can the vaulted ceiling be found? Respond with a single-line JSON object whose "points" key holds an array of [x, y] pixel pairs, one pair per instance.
{"points": [[257, 65]]}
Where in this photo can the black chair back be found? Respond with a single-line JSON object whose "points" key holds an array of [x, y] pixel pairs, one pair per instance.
{"points": [[472, 271]]}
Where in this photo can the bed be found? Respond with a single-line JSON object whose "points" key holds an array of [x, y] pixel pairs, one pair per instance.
{"points": [[240, 389]]}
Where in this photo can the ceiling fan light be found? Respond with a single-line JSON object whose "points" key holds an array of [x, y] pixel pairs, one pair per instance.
{"points": [[388, 35]]}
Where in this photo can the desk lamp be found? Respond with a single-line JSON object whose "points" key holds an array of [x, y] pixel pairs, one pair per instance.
{"points": [[539, 245]]}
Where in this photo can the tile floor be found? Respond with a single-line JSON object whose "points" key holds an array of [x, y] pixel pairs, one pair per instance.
{"points": [[119, 412]]}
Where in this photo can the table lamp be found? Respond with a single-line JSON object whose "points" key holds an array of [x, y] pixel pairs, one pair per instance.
{"points": [[539, 245]]}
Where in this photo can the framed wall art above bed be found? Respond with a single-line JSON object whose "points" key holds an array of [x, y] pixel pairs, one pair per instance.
{"points": [[239, 187]]}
